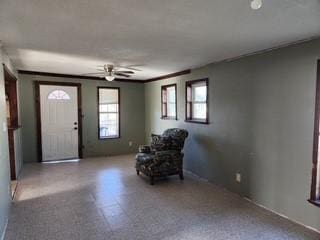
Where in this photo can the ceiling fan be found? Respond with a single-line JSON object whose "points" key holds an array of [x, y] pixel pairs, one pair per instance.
{"points": [[109, 72]]}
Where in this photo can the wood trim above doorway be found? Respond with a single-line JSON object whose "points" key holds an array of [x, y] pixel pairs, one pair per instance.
{"points": [[7, 71], [38, 114], [171, 75], [61, 75]]}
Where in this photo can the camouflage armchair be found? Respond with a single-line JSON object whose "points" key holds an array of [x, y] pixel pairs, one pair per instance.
{"points": [[164, 157]]}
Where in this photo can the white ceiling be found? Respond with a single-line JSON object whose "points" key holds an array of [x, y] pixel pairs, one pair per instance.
{"points": [[162, 37]]}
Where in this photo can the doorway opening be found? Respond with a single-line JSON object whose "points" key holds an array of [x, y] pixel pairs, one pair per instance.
{"points": [[59, 121], [12, 123]]}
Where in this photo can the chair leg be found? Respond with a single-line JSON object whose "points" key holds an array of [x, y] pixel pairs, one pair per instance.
{"points": [[181, 175], [151, 180], [138, 172]]}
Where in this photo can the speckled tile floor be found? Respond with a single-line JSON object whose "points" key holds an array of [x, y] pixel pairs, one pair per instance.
{"points": [[103, 198]]}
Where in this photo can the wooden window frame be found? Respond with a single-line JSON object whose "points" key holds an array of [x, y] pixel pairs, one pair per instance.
{"points": [[164, 116], [315, 192], [119, 113], [190, 119]]}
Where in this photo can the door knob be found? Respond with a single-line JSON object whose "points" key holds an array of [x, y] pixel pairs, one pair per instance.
{"points": [[75, 123], [75, 128]]}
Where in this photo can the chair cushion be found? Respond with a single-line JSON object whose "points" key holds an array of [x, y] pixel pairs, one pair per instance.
{"points": [[143, 158]]}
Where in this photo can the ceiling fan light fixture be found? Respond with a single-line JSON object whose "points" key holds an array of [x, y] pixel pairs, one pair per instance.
{"points": [[110, 77], [256, 4]]}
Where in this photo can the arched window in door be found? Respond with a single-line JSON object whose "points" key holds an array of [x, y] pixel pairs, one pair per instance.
{"points": [[58, 95]]}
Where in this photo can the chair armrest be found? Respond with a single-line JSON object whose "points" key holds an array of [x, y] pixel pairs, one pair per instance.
{"points": [[144, 149]]}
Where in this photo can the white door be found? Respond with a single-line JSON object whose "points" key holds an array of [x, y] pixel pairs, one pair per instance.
{"points": [[59, 122]]}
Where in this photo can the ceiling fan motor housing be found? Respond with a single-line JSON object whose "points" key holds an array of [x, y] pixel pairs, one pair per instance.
{"points": [[108, 68]]}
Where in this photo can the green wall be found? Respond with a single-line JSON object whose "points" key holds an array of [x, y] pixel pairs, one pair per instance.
{"points": [[4, 151], [261, 125], [131, 110]]}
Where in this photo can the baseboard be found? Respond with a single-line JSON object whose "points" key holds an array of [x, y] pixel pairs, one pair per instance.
{"points": [[4, 230], [281, 215], [195, 175], [253, 202]]}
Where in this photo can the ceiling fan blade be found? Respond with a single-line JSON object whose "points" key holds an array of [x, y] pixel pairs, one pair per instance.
{"points": [[134, 69], [122, 74], [131, 67], [96, 73], [126, 72]]}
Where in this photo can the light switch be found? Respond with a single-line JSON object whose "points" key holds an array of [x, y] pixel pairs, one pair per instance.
{"points": [[4, 126]]}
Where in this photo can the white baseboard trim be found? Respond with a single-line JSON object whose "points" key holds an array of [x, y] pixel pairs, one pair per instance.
{"points": [[281, 215], [4, 230], [195, 175], [253, 202]]}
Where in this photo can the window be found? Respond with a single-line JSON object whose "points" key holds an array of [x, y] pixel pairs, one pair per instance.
{"points": [[197, 101], [169, 101], [108, 112], [58, 95], [315, 185]]}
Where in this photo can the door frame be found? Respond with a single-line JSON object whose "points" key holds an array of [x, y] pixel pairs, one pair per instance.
{"points": [[38, 114], [11, 90]]}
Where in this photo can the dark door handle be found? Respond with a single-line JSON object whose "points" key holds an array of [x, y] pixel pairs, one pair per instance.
{"points": [[75, 123], [75, 128]]}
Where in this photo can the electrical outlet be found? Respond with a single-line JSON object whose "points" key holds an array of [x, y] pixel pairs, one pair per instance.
{"points": [[238, 177], [130, 143]]}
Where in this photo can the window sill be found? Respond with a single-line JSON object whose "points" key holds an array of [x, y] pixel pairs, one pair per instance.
{"points": [[197, 121], [315, 202], [107, 138], [169, 118]]}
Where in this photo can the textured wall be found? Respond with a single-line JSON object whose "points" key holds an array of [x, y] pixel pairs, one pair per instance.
{"points": [[4, 154], [261, 125], [131, 109]]}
